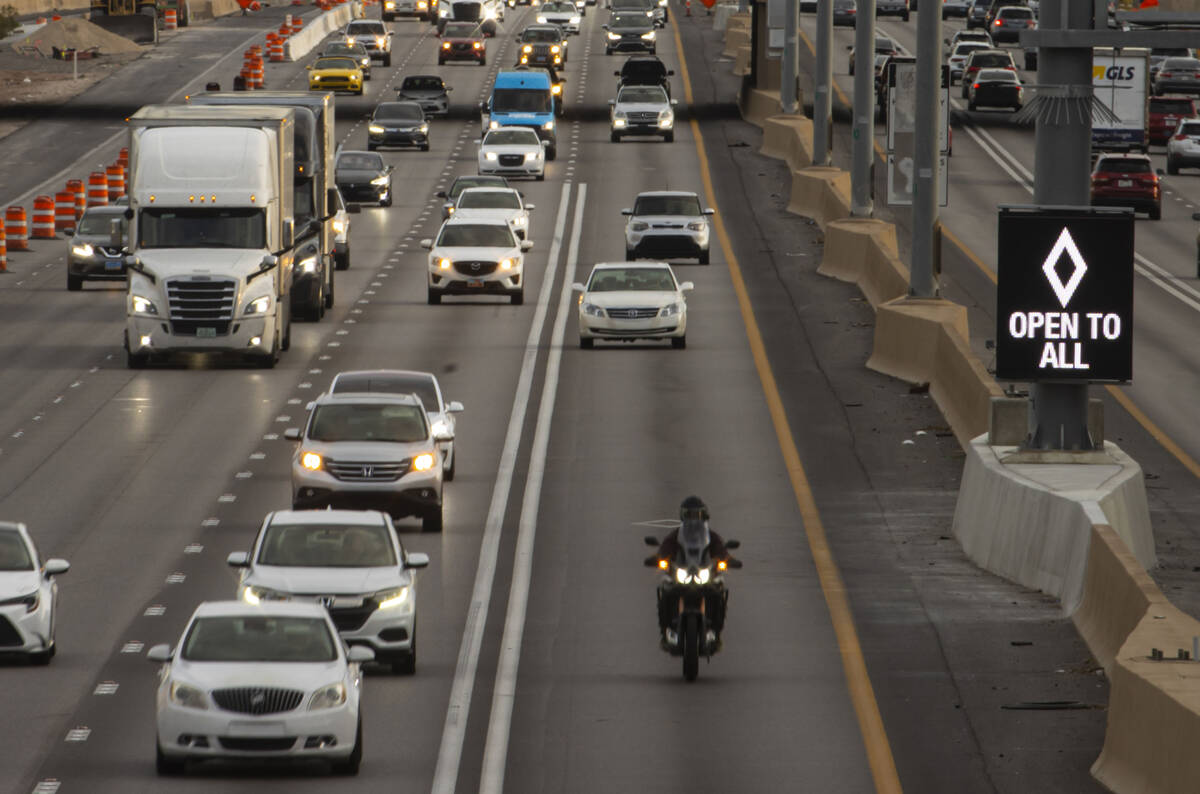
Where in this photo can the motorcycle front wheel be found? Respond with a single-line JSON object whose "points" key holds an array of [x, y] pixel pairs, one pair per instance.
{"points": [[690, 638]]}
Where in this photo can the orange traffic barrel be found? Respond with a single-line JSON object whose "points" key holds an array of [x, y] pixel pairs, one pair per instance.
{"points": [[79, 192], [97, 189], [285, 30], [55, 17], [64, 210], [170, 19], [257, 73], [43, 218], [114, 178], [123, 157], [275, 50], [297, 25], [15, 229], [3, 249]]}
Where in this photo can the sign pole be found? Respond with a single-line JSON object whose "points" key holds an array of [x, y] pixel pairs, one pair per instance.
{"points": [[823, 89], [862, 183], [788, 93], [922, 278]]}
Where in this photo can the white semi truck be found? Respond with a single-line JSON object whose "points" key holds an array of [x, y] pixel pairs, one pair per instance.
{"points": [[211, 232], [1121, 80]]}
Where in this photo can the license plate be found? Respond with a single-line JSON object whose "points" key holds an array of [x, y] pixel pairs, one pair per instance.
{"points": [[206, 333], [113, 264], [1124, 183], [263, 729], [475, 282]]}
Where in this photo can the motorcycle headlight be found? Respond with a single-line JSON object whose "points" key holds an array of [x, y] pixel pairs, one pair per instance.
{"points": [[592, 310], [703, 575], [648, 35], [639, 226], [380, 180], [489, 156], [311, 461], [258, 305], [83, 250], [423, 462], [549, 125], [682, 576], [140, 305], [377, 130], [188, 696], [614, 36], [670, 310], [327, 697], [392, 598], [308, 264]]}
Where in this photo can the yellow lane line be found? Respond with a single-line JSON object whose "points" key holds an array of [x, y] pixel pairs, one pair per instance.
{"points": [[858, 682]]}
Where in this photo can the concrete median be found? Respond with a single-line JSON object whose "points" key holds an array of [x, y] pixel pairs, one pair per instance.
{"points": [[722, 14], [300, 44], [821, 193], [863, 251], [736, 37], [788, 138]]}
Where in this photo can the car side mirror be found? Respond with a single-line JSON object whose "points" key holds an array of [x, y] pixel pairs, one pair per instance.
{"points": [[605, 26], [454, 407], [612, 102], [55, 567], [544, 143], [670, 73], [526, 245], [427, 243], [733, 544], [449, 88], [651, 561], [69, 231], [650, 540], [292, 434], [443, 435], [353, 209], [686, 286], [160, 653], [238, 559], [617, 73], [578, 287], [626, 212], [387, 169], [440, 194], [309, 67], [530, 207], [731, 563], [709, 211], [269, 261], [359, 654], [416, 559], [478, 142], [674, 102], [1196, 216]]}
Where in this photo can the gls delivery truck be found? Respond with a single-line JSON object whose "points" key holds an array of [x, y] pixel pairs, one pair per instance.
{"points": [[1121, 80], [522, 99], [211, 232], [314, 201]]}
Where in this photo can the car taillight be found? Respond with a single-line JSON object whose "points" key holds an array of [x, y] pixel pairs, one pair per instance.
{"points": [[1180, 137], [1100, 180], [976, 85], [1164, 74], [1029, 23], [997, 23]]}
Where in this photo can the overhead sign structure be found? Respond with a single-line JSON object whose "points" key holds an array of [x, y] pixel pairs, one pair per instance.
{"points": [[901, 132], [1064, 297]]}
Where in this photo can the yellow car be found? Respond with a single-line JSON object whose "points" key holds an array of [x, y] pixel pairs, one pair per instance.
{"points": [[335, 73]]}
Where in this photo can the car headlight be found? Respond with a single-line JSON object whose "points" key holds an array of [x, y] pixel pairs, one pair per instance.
{"points": [[493, 125], [574, 21], [392, 598], [258, 305], [140, 305], [703, 575], [83, 250], [489, 156], [379, 40], [475, 44], [376, 130], [530, 156], [527, 48], [613, 36], [506, 264], [648, 35], [328, 697], [619, 121], [444, 263], [256, 595], [549, 125], [592, 310], [311, 461], [350, 40], [308, 264], [440, 426], [666, 119], [556, 89], [423, 462], [541, 20], [380, 180], [424, 129], [520, 220], [670, 310], [556, 48], [188, 696], [445, 45], [638, 226], [31, 601], [697, 226], [682, 576]]}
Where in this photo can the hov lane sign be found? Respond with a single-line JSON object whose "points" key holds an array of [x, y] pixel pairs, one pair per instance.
{"points": [[1064, 298]]}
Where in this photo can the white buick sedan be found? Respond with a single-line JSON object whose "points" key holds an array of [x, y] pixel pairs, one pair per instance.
{"points": [[628, 301], [512, 151], [28, 595], [259, 682]]}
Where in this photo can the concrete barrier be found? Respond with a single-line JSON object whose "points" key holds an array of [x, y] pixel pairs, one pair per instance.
{"points": [[863, 251], [302, 43], [211, 9], [735, 38], [756, 104], [741, 60], [788, 138], [821, 193], [722, 13]]}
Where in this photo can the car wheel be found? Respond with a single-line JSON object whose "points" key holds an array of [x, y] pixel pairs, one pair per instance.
{"points": [[1172, 168], [541, 177], [359, 91], [586, 342], [432, 521], [386, 202], [517, 298], [434, 297], [424, 147], [970, 106], [964, 88], [441, 61], [679, 342], [704, 257], [614, 136], [165, 765], [483, 61], [1156, 212], [551, 153], [75, 283], [353, 761], [905, 17], [669, 137], [286, 344], [448, 472], [138, 361], [370, 146], [630, 254], [851, 69], [342, 262]]}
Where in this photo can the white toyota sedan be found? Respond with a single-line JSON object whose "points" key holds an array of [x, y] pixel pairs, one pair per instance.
{"points": [[476, 258], [350, 561], [512, 151], [28, 594], [259, 682], [488, 204], [628, 301]]}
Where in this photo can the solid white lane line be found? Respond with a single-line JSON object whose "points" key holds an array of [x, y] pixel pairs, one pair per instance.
{"points": [[495, 751], [445, 775]]}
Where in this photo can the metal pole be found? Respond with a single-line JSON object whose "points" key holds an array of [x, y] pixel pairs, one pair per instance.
{"points": [[823, 88], [925, 150], [791, 56], [1062, 165], [862, 185]]}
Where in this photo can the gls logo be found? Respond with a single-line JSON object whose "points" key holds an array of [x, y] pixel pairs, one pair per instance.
{"points": [[1114, 74]]}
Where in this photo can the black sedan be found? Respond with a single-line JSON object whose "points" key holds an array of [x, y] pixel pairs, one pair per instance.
{"points": [[362, 176], [995, 88], [1178, 76], [398, 124]]}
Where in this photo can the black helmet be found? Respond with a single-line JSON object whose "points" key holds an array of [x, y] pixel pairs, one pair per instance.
{"points": [[693, 509]]}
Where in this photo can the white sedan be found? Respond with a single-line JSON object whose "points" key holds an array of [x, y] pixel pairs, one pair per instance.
{"points": [[28, 593], [259, 682], [488, 204], [512, 151], [628, 301], [476, 258]]}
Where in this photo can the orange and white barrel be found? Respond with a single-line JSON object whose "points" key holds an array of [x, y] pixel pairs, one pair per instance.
{"points": [[258, 73], [64, 210], [170, 19], [3, 250], [123, 157], [76, 188], [297, 25], [43, 218], [97, 189], [114, 179], [275, 50], [16, 229]]}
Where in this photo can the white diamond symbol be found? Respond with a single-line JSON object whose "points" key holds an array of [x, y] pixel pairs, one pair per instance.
{"points": [[1064, 291]]}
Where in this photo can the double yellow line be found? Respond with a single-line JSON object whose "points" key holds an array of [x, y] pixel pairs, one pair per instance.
{"points": [[858, 682]]}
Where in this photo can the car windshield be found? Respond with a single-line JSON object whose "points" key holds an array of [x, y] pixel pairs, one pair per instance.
{"points": [[969, 47], [1015, 13], [365, 29], [202, 227], [1122, 165], [341, 48], [327, 546], [101, 223], [629, 21], [399, 111], [386, 422], [1183, 64], [259, 638], [422, 84], [637, 279], [461, 30], [521, 100], [489, 199], [14, 554], [464, 182], [1192, 128], [560, 8], [643, 94], [476, 235], [510, 137], [420, 385], [540, 36], [997, 75], [335, 63], [1166, 52], [667, 205], [1178, 107], [360, 162]]}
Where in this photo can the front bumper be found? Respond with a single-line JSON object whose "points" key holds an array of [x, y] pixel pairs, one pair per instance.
{"points": [[24, 632], [367, 192], [667, 244], [591, 327], [96, 267], [151, 335], [414, 494], [459, 52], [629, 45], [215, 733], [454, 282], [527, 168], [398, 138], [334, 84], [640, 127]]}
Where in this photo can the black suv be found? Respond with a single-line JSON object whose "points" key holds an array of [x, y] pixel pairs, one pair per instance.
{"points": [[644, 70]]}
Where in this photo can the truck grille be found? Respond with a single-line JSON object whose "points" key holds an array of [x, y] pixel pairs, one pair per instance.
{"points": [[201, 304], [366, 471], [257, 700], [632, 314], [475, 268]]}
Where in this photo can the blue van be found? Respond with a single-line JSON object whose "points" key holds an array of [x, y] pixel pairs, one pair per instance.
{"points": [[522, 99]]}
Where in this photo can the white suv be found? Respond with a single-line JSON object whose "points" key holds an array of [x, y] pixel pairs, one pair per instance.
{"points": [[642, 110], [374, 35], [667, 224], [476, 257]]}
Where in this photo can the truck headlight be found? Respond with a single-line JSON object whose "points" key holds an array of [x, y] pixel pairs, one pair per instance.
{"points": [[308, 264], [375, 129], [379, 40], [339, 226], [392, 598], [188, 696], [648, 35], [258, 305], [84, 250], [423, 462], [140, 305], [328, 697], [549, 125]]}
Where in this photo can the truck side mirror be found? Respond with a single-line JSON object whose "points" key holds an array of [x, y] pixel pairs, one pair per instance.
{"points": [[289, 233], [331, 198], [116, 239]]}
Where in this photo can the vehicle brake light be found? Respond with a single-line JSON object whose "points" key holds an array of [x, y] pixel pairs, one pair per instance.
{"points": [[976, 85], [1029, 23], [1181, 137], [997, 23], [1165, 74]]}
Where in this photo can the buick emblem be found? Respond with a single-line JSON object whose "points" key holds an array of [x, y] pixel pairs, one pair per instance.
{"points": [[258, 699]]}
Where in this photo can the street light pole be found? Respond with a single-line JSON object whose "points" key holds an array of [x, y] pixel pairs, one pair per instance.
{"points": [[862, 185]]}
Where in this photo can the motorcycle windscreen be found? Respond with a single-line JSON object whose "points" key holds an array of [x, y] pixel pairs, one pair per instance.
{"points": [[693, 538]]}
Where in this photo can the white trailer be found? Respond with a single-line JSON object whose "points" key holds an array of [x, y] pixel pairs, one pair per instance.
{"points": [[1121, 81]]}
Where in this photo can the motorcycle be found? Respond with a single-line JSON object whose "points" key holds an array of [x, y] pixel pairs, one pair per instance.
{"points": [[692, 600]]}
